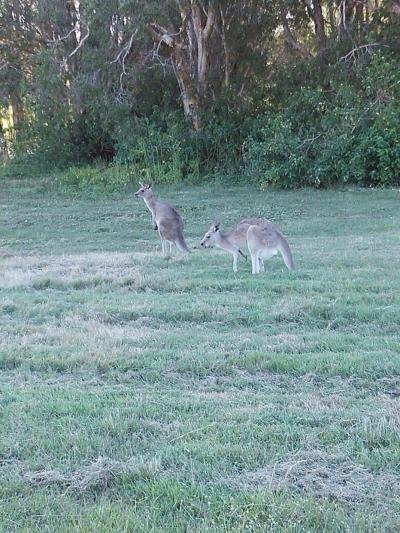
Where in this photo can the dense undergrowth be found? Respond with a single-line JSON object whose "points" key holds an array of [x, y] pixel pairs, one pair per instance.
{"points": [[317, 133]]}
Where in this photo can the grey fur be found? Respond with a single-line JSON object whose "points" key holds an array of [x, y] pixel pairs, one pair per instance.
{"points": [[165, 219], [264, 242], [235, 240]]}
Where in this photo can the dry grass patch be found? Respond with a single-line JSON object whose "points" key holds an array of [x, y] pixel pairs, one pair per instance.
{"points": [[97, 475], [319, 474], [74, 330], [381, 430], [35, 271]]}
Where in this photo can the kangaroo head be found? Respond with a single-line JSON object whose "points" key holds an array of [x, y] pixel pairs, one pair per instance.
{"points": [[144, 191], [209, 238]]}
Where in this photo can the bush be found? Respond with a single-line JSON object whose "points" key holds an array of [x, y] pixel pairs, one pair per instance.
{"points": [[349, 134], [376, 157], [156, 149], [90, 177], [318, 123], [273, 154], [160, 148]]}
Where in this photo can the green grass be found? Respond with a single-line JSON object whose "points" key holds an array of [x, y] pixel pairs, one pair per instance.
{"points": [[143, 393]]}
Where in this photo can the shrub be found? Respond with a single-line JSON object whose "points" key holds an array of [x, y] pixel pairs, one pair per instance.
{"points": [[155, 149], [376, 157], [90, 177], [349, 134], [273, 154], [160, 148]]}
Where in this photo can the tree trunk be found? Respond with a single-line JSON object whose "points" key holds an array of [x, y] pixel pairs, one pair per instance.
{"points": [[173, 45], [202, 30], [189, 51], [17, 112], [291, 41], [346, 9], [332, 18], [227, 61], [314, 11], [188, 92], [319, 25]]}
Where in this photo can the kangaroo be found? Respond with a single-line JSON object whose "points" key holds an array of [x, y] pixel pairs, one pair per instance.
{"points": [[165, 219], [264, 242], [235, 240]]}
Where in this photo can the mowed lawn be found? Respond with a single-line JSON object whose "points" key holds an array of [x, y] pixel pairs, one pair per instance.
{"points": [[142, 393]]}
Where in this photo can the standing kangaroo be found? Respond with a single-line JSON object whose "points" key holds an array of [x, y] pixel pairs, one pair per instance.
{"points": [[264, 242], [165, 219], [235, 241]]}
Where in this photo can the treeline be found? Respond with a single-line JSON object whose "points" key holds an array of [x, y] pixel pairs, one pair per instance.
{"points": [[283, 92]]}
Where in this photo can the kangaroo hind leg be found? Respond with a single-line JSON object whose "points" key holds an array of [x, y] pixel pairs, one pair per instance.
{"points": [[235, 259], [255, 264]]}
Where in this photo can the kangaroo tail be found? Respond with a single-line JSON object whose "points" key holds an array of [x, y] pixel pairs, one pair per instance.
{"points": [[284, 249], [181, 244]]}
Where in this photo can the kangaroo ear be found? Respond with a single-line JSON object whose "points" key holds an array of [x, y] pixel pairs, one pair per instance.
{"points": [[216, 225], [149, 185], [141, 184]]}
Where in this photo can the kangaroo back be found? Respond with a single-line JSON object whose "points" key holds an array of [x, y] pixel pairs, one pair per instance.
{"points": [[284, 249], [162, 210]]}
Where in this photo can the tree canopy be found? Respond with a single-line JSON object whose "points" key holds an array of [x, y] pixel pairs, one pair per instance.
{"points": [[290, 92]]}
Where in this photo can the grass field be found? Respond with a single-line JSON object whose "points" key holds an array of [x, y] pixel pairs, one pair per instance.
{"points": [[142, 393]]}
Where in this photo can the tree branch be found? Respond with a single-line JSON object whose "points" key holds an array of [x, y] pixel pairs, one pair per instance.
{"points": [[367, 48], [291, 41], [162, 35], [57, 39], [210, 22], [123, 54], [80, 43]]}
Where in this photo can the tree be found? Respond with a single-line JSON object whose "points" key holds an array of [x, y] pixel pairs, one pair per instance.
{"points": [[214, 40], [84, 71]]}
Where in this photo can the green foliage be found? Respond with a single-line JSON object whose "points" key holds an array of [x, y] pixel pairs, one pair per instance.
{"points": [[109, 178], [278, 105], [349, 134], [320, 136], [272, 154], [160, 148], [155, 148], [376, 156]]}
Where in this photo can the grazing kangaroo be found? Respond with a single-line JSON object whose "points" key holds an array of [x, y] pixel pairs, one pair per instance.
{"points": [[165, 219], [235, 241], [264, 242]]}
